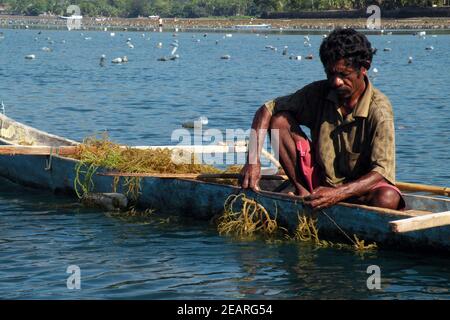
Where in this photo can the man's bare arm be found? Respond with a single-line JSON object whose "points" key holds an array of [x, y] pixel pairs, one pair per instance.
{"points": [[324, 197], [252, 170]]}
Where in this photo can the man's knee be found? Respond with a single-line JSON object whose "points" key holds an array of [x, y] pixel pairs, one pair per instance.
{"points": [[281, 120], [385, 198]]}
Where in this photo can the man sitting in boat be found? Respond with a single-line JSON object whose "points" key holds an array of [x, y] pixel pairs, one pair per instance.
{"points": [[351, 155]]}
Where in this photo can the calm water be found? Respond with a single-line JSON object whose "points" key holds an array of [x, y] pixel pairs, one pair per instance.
{"points": [[140, 103]]}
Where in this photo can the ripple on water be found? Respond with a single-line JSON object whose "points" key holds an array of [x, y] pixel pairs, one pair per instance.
{"points": [[65, 92]]}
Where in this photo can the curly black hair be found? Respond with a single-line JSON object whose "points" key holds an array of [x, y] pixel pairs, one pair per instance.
{"points": [[348, 44]]}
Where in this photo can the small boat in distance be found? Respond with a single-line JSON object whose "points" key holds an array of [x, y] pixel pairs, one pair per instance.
{"points": [[252, 26], [72, 17]]}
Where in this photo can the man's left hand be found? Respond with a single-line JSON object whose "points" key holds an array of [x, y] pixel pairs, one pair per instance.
{"points": [[324, 197]]}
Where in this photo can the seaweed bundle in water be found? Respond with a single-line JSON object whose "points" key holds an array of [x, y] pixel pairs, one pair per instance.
{"points": [[307, 230], [245, 218], [250, 219]]}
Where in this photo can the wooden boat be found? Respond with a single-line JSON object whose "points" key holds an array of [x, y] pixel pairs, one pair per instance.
{"points": [[204, 200]]}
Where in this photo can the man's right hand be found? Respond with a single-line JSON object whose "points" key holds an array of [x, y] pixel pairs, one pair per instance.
{"points": [[250, 175]]}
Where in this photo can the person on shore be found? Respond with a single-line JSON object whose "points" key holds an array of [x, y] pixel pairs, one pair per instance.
{"points": [[351, 155]]}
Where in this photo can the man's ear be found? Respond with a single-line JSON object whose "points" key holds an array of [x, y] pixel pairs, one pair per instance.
{"points": [[364, 71]]}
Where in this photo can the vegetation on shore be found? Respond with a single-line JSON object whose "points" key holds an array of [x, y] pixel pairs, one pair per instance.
{"points": [[194, 8]]}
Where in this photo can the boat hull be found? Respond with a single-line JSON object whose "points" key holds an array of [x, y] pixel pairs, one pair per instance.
{"points": [[204, 200]]}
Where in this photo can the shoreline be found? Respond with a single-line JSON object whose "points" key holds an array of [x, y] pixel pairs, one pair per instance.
{"points": [[438, 25]]}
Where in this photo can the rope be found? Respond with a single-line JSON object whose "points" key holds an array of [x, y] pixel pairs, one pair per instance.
{"points": [[55, 151], [340, 229]]}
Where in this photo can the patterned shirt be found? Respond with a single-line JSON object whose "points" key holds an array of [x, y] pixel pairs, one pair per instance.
{"points": [[345, 147]]}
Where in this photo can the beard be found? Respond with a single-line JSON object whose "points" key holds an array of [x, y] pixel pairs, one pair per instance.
{"points": [[343, 93]]}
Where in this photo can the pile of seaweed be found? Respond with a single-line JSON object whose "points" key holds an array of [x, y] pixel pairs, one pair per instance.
{"points": [[100, 152]]}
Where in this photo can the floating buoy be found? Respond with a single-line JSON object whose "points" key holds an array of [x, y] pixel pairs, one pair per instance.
{"points": [[30, 57], [292, 57], [102, 60], [112, 34], [169, 58], [228, 35], [201, 121], [375, 70]]}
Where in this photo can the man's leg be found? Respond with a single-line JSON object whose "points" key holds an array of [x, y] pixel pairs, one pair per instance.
{"points": [[383, 197], [289, 133]]}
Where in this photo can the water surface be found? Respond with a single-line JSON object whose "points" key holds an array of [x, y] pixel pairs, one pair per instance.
{"points": [[66, 92]]}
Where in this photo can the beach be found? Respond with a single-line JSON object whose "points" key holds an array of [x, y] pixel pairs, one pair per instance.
{"points": [[219, 24]]}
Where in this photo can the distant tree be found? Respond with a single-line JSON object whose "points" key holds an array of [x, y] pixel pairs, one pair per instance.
{"points": [[36, 7]]}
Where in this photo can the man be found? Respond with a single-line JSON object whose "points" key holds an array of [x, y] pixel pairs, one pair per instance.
{"points": [[352, 153]]}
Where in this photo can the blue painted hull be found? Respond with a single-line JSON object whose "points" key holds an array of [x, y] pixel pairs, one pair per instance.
{"points": [[205, 200]]}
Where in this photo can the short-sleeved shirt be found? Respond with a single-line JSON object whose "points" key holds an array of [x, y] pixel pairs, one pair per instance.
{"points": [[345, 147]]}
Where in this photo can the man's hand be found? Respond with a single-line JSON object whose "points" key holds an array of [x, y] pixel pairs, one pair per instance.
{"points": [[250, 175], [324, 197]]}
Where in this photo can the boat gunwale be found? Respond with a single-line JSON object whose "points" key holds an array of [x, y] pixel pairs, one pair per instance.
{"points": [[269, 194], [4, 117]]}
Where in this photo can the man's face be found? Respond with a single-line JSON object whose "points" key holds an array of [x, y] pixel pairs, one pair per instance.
{"points": [[344, 78]]}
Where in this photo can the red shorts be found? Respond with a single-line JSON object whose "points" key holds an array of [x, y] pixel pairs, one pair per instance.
{"points": [[312, 174]]}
